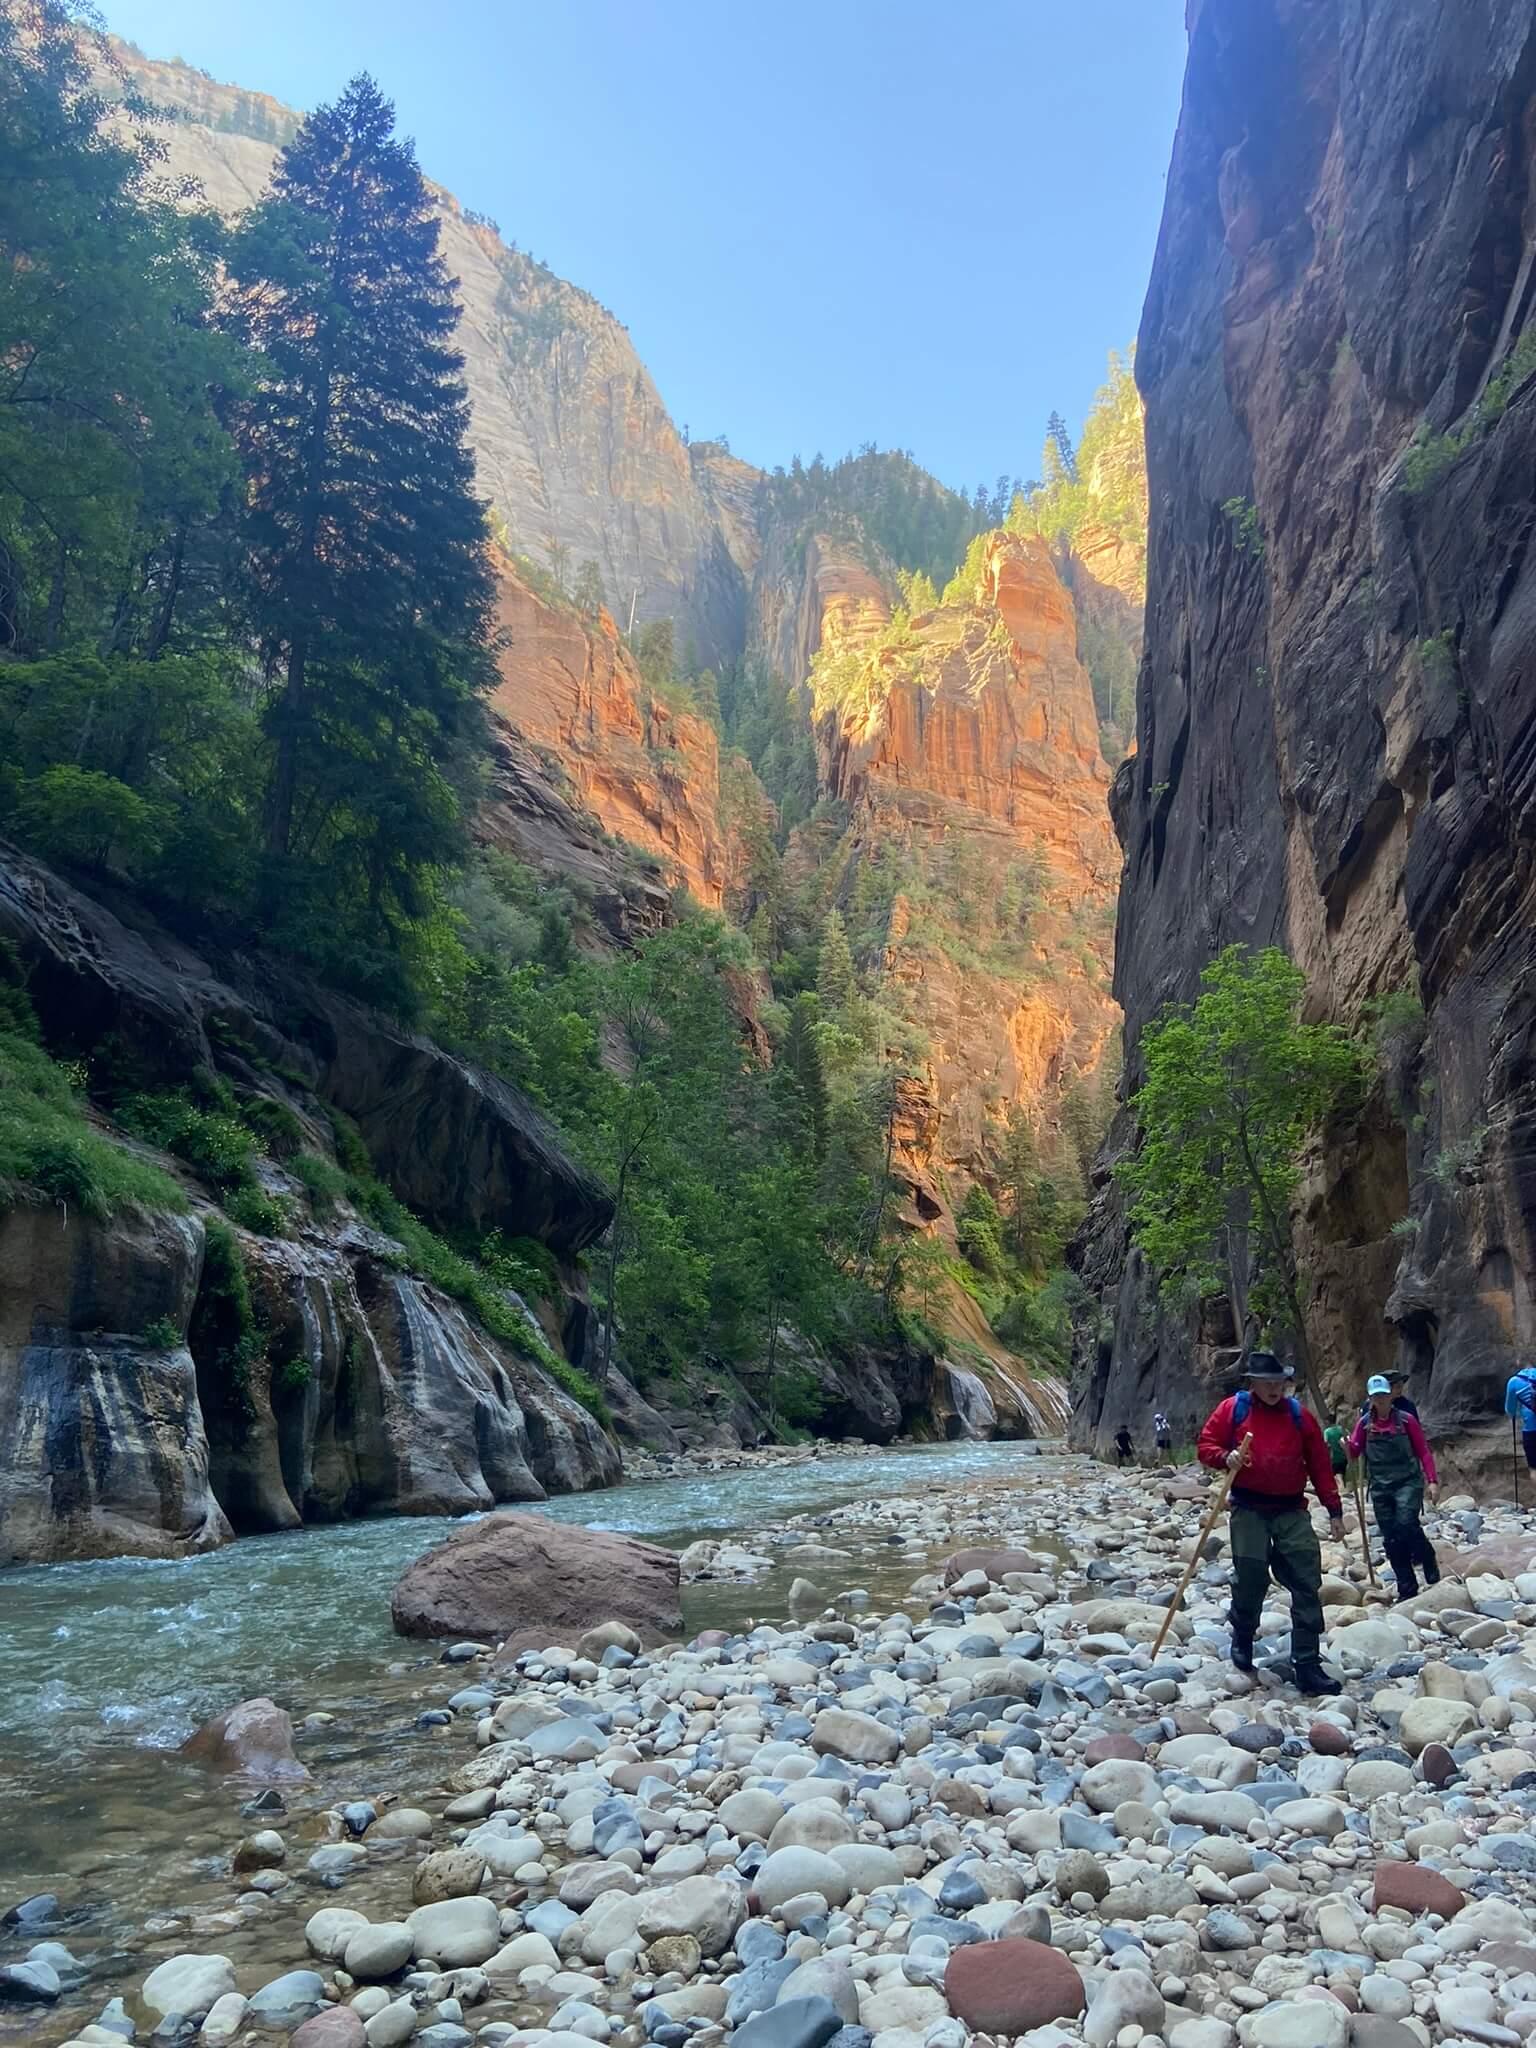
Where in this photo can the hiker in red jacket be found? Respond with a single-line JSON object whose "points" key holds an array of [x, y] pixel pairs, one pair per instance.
{"points": [[1265, 1438]]}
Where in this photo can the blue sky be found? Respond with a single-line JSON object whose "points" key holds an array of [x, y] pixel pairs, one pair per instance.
{"points": [[823, 221]]}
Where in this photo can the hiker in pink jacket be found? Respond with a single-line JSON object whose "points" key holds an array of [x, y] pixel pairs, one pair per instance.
{"points": [[1398, 1466]]}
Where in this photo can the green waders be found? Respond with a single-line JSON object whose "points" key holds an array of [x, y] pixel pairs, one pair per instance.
{"points": [[1396, 1481], [1286, 1546]]}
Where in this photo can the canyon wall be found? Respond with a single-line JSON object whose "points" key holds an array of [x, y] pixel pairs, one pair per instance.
{"points": [[1338, 695], [573, 445], [967, 752], [140, 1412]]}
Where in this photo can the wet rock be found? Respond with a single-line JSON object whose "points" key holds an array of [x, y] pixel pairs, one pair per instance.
{"points": [[380, 1950], [188, 1984], [253, 1740], [447, 1874], [286, 2000], [457, 1933], [801, 2023], [338, 2027], [531, 1581], [29, 1984]]}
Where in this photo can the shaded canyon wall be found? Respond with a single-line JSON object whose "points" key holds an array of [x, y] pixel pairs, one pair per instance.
{"points": [[1337, 703]]}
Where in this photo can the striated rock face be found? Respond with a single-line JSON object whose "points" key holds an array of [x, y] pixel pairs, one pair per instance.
{"points": [[1339, 690], [815, 590], [972, 744], [105, 1449], [573, 445], [989, 710], [646, 773]]}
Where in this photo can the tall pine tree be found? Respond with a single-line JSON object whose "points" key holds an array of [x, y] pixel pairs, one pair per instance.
{"points": [[369, 586]]}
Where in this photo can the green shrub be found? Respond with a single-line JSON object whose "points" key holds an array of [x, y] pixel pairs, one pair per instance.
{"points": [[160, 1335], [48, 1148], [215, 1144], [253, 1209], [222, 1334], [1428, 458], [79, 814], [322, 1180], [274, 1124], [350, 1149]]}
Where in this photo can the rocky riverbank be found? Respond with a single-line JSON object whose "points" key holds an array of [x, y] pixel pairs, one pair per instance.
{"points": [[985, 1811]]}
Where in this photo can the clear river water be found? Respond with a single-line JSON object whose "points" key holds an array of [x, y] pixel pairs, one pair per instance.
{"points": [[106, 1667]]}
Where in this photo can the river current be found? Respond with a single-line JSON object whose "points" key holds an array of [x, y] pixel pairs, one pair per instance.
{"points": [[108, 1666]]}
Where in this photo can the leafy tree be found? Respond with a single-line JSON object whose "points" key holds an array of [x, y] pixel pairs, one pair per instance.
{"points": [[110, 451], [368, 584], [978, 1230], [1233, 1088]]}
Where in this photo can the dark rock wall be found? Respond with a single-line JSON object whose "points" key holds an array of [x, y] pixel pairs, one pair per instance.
{"points": [[1337, 702]]}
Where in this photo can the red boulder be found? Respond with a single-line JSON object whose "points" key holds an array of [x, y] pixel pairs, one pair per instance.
{"points": [[1416, 1890], [1009, 1986]]}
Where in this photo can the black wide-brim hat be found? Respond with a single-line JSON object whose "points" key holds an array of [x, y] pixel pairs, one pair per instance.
{"points": [[1263, 1365]]}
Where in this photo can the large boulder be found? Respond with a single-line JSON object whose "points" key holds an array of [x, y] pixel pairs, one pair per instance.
{"points": [[526, 1581], [253, 1740]]}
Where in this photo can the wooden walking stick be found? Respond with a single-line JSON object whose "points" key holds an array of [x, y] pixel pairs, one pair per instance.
{"points": [[1365, 1541], [1189, 1570]]}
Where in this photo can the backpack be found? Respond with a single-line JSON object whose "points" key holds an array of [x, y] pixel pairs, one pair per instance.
{"points": [[1242, 1408], [1520, 1395]]}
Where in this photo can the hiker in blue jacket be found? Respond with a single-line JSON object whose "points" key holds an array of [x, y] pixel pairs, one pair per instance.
{"points": [[1520, 1402]]}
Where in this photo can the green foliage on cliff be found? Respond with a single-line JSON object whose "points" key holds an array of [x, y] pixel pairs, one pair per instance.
{"points": [[1429, 456], [49, 1149], [1233, 1087], [881, 496], [1104, 482]]}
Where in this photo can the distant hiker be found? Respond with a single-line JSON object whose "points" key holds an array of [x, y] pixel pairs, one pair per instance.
{"points": [[1125, 1450], [1398, 1466], [1162, 1430], [1274, 1447], [1520, 1402], [1338, 1450]]}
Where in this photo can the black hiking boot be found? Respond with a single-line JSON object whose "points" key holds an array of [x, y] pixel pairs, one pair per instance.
{"points": [[1242, 1651], [1431, 1571], [1407, 1588], [1313, 1678]]}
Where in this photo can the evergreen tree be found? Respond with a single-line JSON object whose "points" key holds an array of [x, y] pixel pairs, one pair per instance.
{"points": [[587, 590], [836, 983], [368, 583], [1058, 439]]}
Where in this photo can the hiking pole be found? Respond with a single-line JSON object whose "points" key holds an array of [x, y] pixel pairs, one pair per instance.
{"points": [[1365, 1541], [1189, 1570], [1514, 1456]]}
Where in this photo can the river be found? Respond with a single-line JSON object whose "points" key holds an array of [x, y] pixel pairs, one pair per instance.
{"points": [[109, 1665]]}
